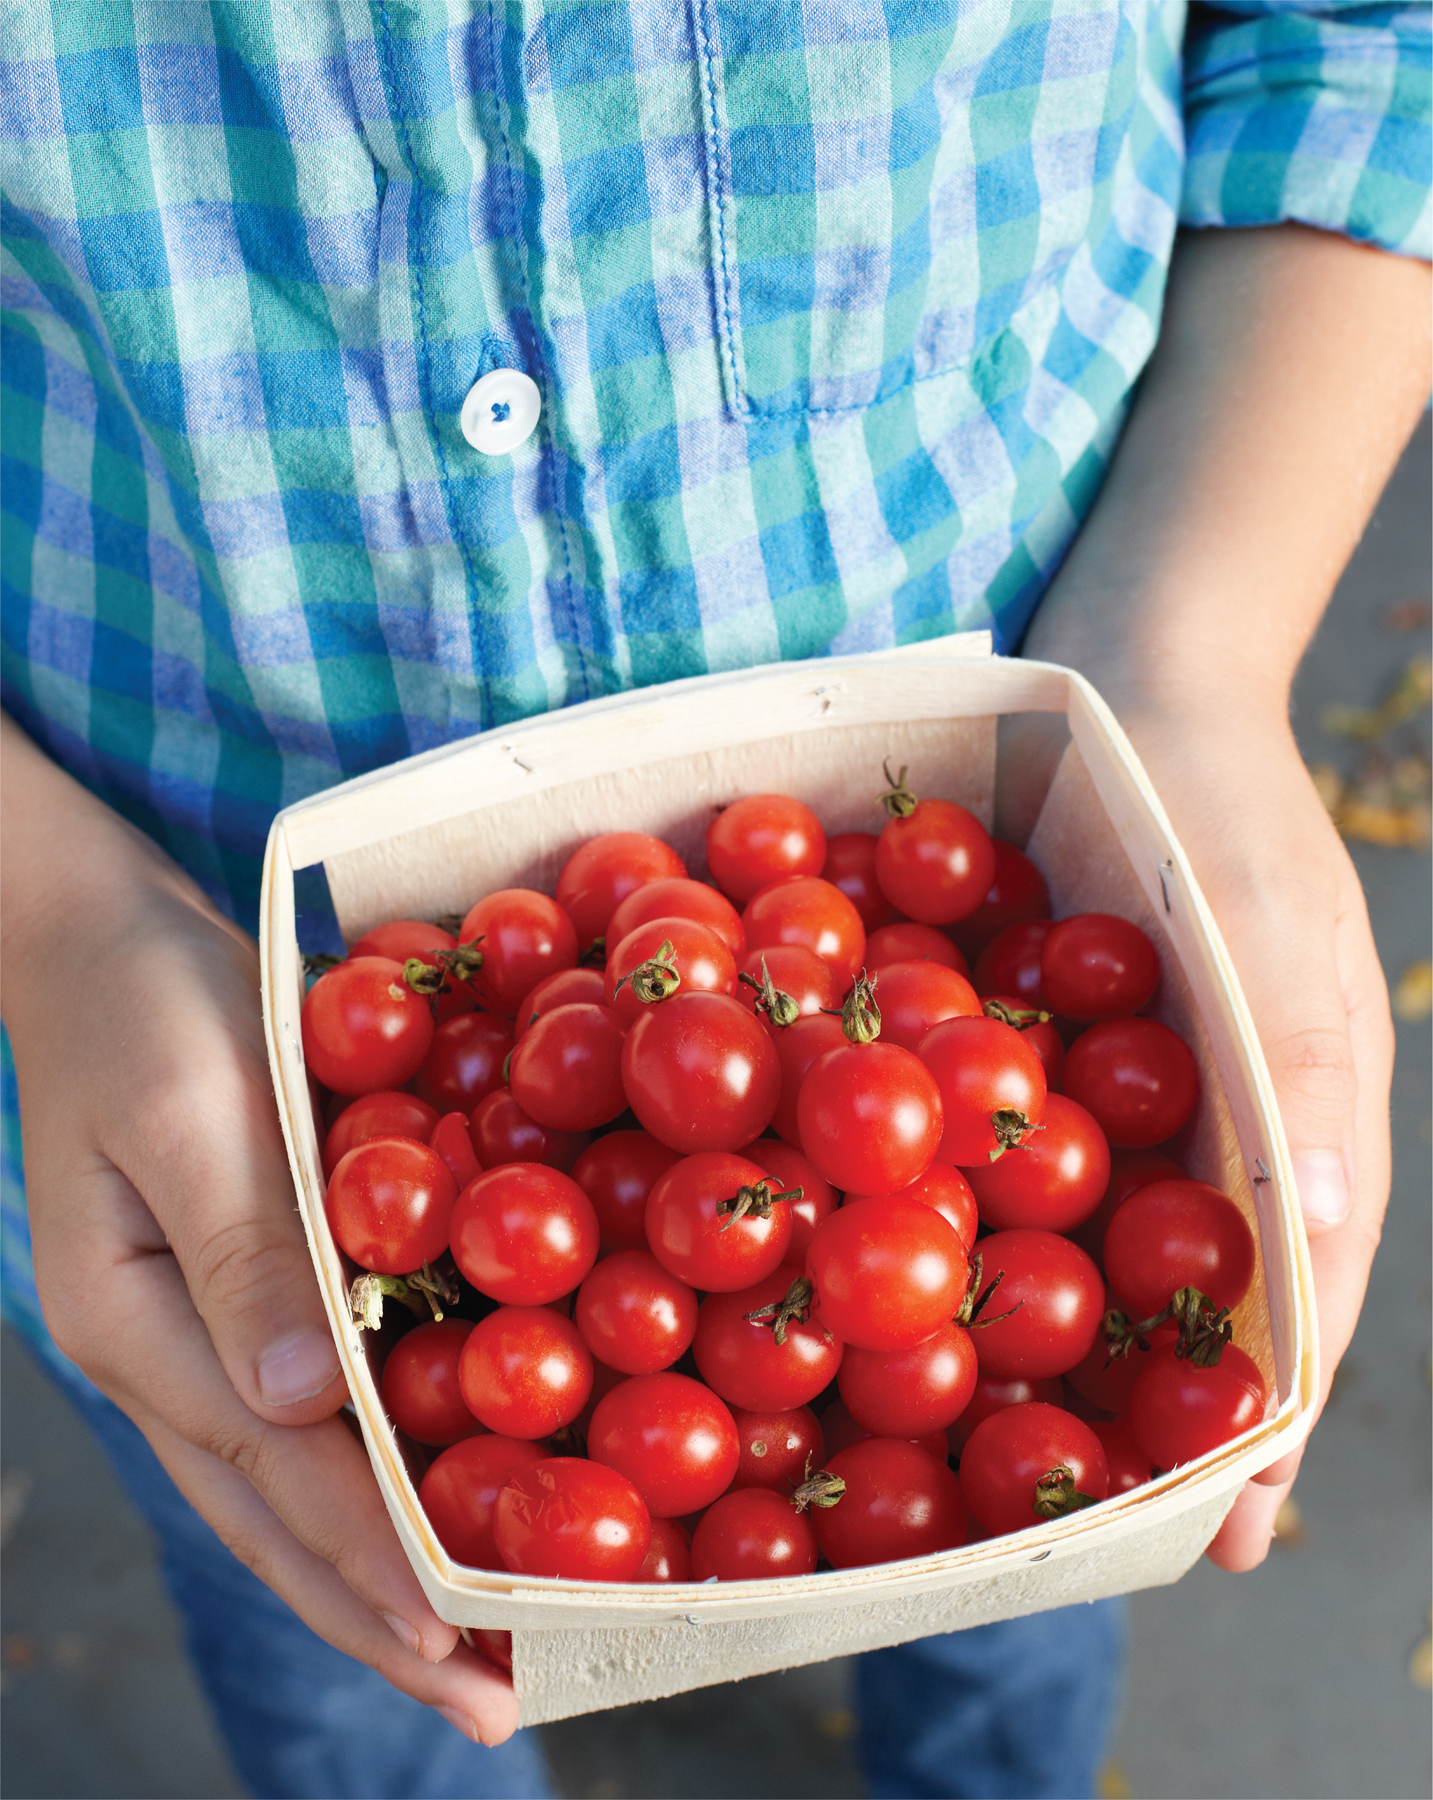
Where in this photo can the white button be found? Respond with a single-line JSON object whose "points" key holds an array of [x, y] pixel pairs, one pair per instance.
{"points": [[501, 411]]}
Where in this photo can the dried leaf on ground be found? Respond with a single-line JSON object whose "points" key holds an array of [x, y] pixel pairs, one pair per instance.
{"points": [[1420, 1664], [1114, 1783], [1413, 614], [1411, 694], [1290, 1532], [1413, 993], [1389, 802]]}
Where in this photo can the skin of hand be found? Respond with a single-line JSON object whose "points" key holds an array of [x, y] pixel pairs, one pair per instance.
{"points": [[169, 1254], [1291, 369]]}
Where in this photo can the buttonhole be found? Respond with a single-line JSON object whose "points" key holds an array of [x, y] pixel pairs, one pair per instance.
{"points": [[501, 409]]}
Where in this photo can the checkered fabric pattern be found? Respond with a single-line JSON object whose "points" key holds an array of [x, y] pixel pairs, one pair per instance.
{"points": [[834, 307]]}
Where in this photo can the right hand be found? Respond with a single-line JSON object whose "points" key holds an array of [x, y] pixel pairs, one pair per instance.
{"points": [[169, 1255]]}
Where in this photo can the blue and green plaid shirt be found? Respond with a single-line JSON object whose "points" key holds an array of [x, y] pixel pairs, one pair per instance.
{"points": [[834, 307]]}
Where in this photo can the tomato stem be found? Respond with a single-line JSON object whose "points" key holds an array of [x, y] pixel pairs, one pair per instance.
{"points": [[1019, 1018], [898, 799], [366, 1297], [793, 1307], [1011, 1128], [821, 1489], [320, 962], [779, 1007], [1204, 1330], [1056, 1495], [654, 979], [755, 1201], [437, 1282], [1121, 1335], [975, 1301], [860, 1016]]}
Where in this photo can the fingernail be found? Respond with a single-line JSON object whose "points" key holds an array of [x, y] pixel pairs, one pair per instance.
{"points": [[460, 1722], [1322, 1186], [405, 1633], [297, 1369]]}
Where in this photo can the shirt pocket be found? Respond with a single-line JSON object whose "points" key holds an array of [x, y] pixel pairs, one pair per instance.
{"points": [[891, 184]]}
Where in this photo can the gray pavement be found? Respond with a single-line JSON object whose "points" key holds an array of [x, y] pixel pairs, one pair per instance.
{"points": [[1295, 1680]]}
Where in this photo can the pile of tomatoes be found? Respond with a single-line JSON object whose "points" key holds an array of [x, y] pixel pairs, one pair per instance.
{"points": [[741, 1214]]}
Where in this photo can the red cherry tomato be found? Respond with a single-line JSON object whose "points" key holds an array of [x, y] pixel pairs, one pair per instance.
{"points": [[567, 1071], [465, 1061], [989, 1080], [1010, 964], [1129, 1467], [1137, 1077], [797, 1047], [869, 1116], [752, 1534], [384, 1114], [760, 839], [887, 1273], [568, 987], [496, 1646], [616, 1173], [1057, 1298], [1178, 1411], [603, 1382], [573, 1519], [503, 1133], [523, 936], [1017, 894], [793, 970], [842, 1431], [525, 1371], [914, 997], [1013, 1450], [776, 1447], [1054, 1179], [793, 1170], [851, 866], [906, 941], [1104, 1376], [401, 939], [420, 1384], [600, 874], [742, 1361], [716, 1251], [1098, 966], [907, 1393], [1174, 1234], [899, 1502], [1039, 1033], [701, 1073], [808, 911], [1129, 1169], [990, 1395], [936, 864], [389, 1204], [680, 899], [669, 1555], [672, 1438], [634, 1315], [363, 1027], [947, 1190], [460, 1492], [524, 1234], [700, 958], [453, 1142]]}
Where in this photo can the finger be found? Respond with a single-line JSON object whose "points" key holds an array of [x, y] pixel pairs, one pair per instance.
{"points": [[1242, 1541], [471, 1692]]}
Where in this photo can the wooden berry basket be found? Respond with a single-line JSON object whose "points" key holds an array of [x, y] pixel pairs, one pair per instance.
{"points": [[506, 808]]}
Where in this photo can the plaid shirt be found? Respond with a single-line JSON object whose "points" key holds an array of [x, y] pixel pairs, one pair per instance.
{"points": [[834, 307]]}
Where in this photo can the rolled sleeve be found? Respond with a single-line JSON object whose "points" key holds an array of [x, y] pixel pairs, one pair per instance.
{"points": [[1310, 112]]}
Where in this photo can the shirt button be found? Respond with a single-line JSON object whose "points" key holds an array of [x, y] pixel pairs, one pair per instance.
{"points": [[501, 411]]}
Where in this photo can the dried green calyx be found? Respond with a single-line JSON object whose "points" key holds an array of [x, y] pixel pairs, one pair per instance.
{"points": [[754, 1202], [794, 1307], [860, 1016], [898, 799], [821, 1489], [1056, 1495], [1019, 1018], [1120, 1335], [447, 968], [1011, 1128], [319, 962], [1204, 1329], [977, 1298], [654, 979], [779, 1007]]}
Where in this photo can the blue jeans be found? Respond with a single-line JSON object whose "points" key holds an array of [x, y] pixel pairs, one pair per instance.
{"points": [[1021, 1709]]}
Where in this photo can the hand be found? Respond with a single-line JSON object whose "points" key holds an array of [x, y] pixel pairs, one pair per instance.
{"points": [[169, 1255]]}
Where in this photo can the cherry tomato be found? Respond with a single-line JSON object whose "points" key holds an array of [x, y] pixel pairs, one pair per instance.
{"points": [[389, 1204], [523, 935], [907, 1393], [760, 839], [1058, 1301], [574, 1519], [899, 1502], [1017, 1447], [1174, 1234], [568, 987], [401, 939], [776, 1447], [603, 1382], [525, 1371], [793, 970], [567, 1071], [701, 1073], [1010, 964], [936, 864], [914, 997], [671, 1437], [1098, 966], [698, 957], [797, 1047], [600, 874], [634, 1315], [716, 1251], [990, 1395], [465, 1061], [1106, 1378], [382, 1114], [1054, 1179], [616, 1173], [669, 1555], [673, 898], [1017, 894], [842, 1431], [906, 941], [991, 1084], [420, 1384], [503, 1133], [453, 1142], [1128, 1465], [752, 1534], [1039, 1033], [851, 866], [741, 1360], [1178, 1411], [496, 1646], [1129, 1169], [870, 1116], [363, 1027], [460, 1491], [947, 1190], [886, 1272], [810, 912], [524, 1234], [793, 1170], [1137, 1077]]}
